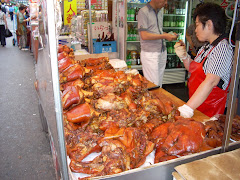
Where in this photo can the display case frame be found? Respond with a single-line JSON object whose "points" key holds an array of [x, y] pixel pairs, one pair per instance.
{"points": [[48, 89]]}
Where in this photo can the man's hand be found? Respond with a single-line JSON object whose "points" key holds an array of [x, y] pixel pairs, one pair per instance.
{"points": [[171, 37]]}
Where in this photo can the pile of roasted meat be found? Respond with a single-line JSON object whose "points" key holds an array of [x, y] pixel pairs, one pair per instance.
{"points": [[113, 113]]}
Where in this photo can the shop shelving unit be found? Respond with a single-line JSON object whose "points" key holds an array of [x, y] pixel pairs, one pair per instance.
{"points": [[174, 72]]}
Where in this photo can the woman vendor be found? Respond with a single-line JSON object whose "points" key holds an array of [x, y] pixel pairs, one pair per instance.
{"points": [[210, 71]]}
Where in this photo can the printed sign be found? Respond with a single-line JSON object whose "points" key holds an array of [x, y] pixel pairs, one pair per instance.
{"points": [[70, 9], [99, 28]]}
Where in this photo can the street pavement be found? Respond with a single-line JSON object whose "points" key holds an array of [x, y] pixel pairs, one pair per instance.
{"points": [[24, 147]]}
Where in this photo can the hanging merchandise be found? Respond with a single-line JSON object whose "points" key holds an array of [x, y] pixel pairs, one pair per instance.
{"points": [[97, 4]]}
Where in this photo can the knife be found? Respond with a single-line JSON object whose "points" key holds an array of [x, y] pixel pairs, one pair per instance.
{"points": [[152, 88]]}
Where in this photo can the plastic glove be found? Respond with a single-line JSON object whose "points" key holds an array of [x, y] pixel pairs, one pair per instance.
{"points": [[180, 50], [185, 111]]}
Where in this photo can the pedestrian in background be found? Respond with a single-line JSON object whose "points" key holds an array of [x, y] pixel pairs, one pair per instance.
{"points": [[3, 27], [3, 8], [15, 11], [11, 9], [27, 15], [194, 43], [152, 40], [191, 37], [22, 28]]}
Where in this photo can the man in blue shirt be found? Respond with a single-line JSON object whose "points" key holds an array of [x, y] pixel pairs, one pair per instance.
{"points": [[11, 9]]}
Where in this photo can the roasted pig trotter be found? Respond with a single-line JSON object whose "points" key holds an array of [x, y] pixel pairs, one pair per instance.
{"points": [[80, 113], [64, 63], [62, 55], [72, 73], [79, 83], [71, 96]]}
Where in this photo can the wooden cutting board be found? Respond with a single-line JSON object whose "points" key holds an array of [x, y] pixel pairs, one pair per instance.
{"points": [[166, 96]]}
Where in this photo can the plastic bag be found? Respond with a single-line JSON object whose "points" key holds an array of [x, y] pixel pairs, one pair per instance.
{"points": [[8, 33]]}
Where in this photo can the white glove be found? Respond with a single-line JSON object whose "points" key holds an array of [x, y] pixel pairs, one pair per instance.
{"points": [[180, 50], [185, 111]]}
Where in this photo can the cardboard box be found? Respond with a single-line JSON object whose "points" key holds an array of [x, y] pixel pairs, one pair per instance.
{"points": [[86, 56], [225, 166]]}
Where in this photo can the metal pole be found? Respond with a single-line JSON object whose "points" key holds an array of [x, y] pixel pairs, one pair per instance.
{"points": [[90, 26], [118, 47], [232, 92], [56, 88]]}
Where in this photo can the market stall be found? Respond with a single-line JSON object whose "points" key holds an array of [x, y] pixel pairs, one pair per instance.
{"points": [[53, 73]]}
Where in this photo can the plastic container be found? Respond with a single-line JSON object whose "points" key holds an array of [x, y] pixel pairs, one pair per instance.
{"points": [[105, 46]]}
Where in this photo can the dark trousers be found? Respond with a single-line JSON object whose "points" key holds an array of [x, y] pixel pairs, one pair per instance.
{"points": [[11, 15], [2, 35]]}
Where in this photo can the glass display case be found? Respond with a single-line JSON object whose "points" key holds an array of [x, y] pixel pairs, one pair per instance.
{"points": [[48, 91]]}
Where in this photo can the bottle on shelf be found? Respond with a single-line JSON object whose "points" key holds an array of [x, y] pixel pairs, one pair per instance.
{"points": [[106, 38], [173, 21], [169, 62], [103, 37], [111, 37], [173, 49], [182, 6], [169, 48], [178, 10], [130, 35], [134, 35], [165, 21], [170, 19], [133, 14], [177, 22], [98, 39], [138, 58], [128, 14], [136, 14], [129, 59], [182, 21], [173, 64]]}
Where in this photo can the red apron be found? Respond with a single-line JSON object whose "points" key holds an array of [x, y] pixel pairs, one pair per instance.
{"points": [[216, 100]]}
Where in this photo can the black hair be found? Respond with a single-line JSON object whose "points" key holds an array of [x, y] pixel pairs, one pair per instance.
{"points": [[213, 12], [21, 7]]}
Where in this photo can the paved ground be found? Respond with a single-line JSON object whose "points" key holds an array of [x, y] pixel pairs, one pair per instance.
{"points": [[24, 147]]}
